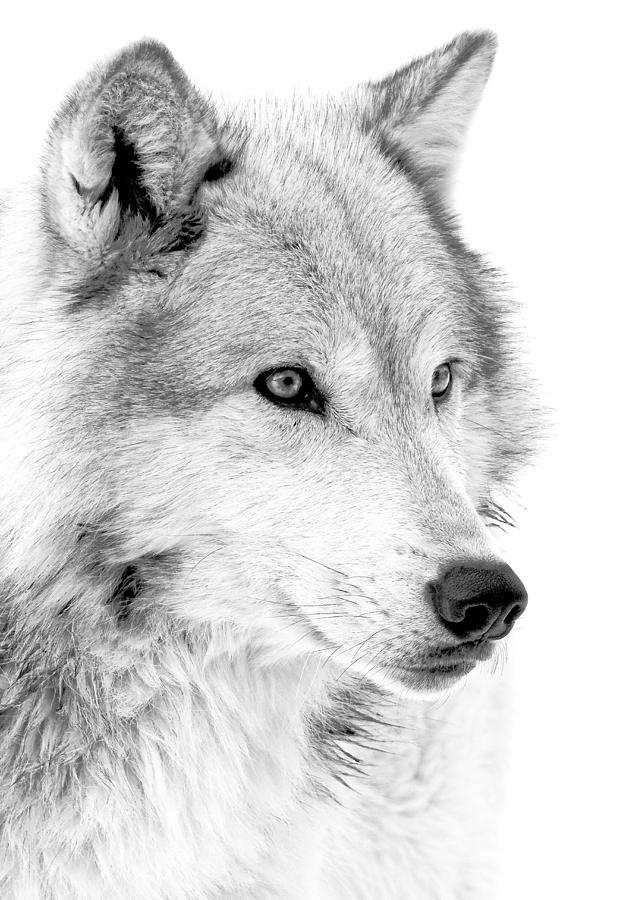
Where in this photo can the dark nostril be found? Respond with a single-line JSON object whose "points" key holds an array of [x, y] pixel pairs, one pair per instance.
{"points": [[475, 618], [513, 614], [475, 600]]}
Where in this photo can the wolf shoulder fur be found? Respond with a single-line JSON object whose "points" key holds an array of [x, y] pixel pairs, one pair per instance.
{"points": [[225, 671]]}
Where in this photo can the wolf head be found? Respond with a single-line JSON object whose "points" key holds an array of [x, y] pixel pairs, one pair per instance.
{"points": [[275, 392]]}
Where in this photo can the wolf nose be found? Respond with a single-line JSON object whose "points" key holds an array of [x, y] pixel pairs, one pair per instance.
{"points": [[479, 601]]}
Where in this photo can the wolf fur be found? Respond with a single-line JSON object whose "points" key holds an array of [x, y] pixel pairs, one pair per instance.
{"points": [[210, 604]]}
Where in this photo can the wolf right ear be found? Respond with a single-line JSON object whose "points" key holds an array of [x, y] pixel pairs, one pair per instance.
{"points": [[127, 152], [421, 113]]}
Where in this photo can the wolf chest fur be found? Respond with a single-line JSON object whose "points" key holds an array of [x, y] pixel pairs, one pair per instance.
{"points": [[258, 403]]}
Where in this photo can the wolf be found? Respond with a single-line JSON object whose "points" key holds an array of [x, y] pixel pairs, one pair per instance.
{"points": [[260, 404]]}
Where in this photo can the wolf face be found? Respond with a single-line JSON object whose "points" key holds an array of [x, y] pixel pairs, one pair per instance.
{"points": [[289, 390]]}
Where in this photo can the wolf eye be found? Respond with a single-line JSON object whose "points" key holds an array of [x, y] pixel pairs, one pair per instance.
{"points": [[290, 386], [441, 381], [286, 384]]}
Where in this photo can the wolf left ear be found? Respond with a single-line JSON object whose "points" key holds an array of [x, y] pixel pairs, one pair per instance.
{"points": [[421, 112], [127, 153]]}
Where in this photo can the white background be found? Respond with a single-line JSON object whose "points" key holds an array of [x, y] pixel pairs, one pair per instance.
{"points": [[549, 189]]}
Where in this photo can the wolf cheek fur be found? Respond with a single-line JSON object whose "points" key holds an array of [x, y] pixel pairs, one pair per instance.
{"points": [[216, 602]]}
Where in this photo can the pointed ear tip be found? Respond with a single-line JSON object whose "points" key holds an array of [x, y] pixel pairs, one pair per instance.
{"points": [[481, 42], [145, 49]]}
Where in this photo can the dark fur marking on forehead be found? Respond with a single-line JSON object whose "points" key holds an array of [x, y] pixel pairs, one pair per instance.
{"points": [[301, 236], [327, 178], [303, 256]]}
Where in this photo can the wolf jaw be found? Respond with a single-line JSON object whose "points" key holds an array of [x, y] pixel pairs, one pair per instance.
{"points": [[187, 681]]}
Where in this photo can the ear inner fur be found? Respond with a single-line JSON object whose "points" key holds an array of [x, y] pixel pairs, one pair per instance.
{"points": [[127, 153]]}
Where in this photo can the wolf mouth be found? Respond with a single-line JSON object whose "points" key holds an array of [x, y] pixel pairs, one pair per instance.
{"points": [[451, 668], [471, 651], [434, 675], [451, 661]]}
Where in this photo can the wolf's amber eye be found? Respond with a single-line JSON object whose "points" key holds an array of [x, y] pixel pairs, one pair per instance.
{"points": [[290, 386], [286, 384], [441, 381]]}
